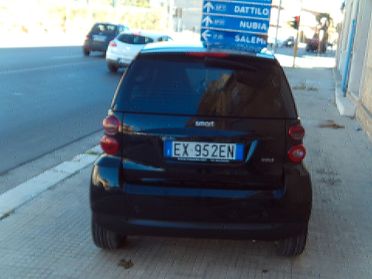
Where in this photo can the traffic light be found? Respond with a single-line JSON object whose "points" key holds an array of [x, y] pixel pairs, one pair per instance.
{"points": [[295, 23]]}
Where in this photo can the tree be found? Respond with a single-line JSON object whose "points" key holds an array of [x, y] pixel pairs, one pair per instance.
{"points": [[324, 21]]}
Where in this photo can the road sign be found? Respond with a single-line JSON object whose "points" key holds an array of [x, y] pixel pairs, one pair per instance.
{"points": [[255, 10], [242, 24], [235, 24], [235, 40]]}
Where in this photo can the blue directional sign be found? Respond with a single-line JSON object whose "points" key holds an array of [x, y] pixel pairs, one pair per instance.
{"points": [[235, 40], [254, 10], [235, 24], [242, 24]]}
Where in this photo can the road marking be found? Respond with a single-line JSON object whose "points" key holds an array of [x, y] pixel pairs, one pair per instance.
{"points": [[18, 71], [61, 57], [26, 191]]}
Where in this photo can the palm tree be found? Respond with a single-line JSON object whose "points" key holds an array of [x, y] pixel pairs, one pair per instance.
{"points": [[324, 21]]}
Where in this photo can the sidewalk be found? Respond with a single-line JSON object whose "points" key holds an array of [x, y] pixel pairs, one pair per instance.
{"points": [[49, 237]]}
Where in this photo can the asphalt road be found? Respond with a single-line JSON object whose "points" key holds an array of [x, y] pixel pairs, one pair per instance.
{"points": [[49, 97]]}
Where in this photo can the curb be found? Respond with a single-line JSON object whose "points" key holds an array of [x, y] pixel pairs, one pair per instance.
{"points": [[344, 105], [26, 191]]}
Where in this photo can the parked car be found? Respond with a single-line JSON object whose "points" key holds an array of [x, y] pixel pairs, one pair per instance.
{"points": [[202, 143], [125, 47], [312, 45], [100, 35], [289, 42]]}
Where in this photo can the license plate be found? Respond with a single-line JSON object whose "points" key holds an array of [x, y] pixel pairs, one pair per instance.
{"points": [[99, 38], [203, 151]]}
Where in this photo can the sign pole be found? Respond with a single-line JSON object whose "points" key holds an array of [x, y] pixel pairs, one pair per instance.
{"points": [[298, 24], [295, 51], [277, 27]]}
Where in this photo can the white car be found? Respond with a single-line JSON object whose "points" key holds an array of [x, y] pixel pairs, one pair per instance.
{"points": [[124, 48]]}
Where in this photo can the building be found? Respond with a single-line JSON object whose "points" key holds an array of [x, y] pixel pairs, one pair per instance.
{"points": [[354, 63]]}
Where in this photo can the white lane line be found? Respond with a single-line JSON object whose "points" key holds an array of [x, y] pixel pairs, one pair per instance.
{"points": [[26, 191], [48, 67], [61, 57]]}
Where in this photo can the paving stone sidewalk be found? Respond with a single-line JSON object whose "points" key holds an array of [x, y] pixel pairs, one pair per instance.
{"points": [[49, 237]]}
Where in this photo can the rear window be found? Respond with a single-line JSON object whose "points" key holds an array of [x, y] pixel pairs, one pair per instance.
{"points": [[134, 39], [180, 84], [104, 28]]}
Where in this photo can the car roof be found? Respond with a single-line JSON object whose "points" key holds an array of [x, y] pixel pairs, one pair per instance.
{"points": [[144, 33], [109, 23], [175, 47]]}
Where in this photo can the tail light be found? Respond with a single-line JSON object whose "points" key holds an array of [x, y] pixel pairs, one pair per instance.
{"points": [[109, 143], [296, 132], [111, 125], [297, 153], [113, 44]]}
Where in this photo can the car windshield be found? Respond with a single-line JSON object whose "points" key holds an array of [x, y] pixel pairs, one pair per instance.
{"points": [[210, 87], [135, 39]]}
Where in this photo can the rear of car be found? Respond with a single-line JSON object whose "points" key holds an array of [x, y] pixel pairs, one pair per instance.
{"points": [[202, 144], [100, 35], [124, 48]]}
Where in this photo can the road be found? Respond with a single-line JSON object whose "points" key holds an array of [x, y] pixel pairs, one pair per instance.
{"points": [[50, 97]]}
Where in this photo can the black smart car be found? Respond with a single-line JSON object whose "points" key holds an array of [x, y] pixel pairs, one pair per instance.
{"points": [[100, 36], [202, 143]]}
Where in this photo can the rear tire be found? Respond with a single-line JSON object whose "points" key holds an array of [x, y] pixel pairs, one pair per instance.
{"points": [[112, 68], [293, 246], [106, 239]]}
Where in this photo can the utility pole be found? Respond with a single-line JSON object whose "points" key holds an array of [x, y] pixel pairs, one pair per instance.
{"points": [[179, 19], [67, 17], [170, 11]]}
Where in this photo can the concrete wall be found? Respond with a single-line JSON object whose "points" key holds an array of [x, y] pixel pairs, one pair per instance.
{"points": [[359, 88], [359, 49], [350, 13], [364, 109], [191, 14]]}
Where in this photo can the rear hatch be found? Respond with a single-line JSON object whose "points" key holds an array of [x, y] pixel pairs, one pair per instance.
{"points": [[102, 34], [204, 120], [129, 45]]}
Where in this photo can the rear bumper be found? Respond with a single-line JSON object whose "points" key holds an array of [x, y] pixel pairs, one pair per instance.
{"points": [[136, 209], [257, 231], [95, 46], [117, 61]]}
